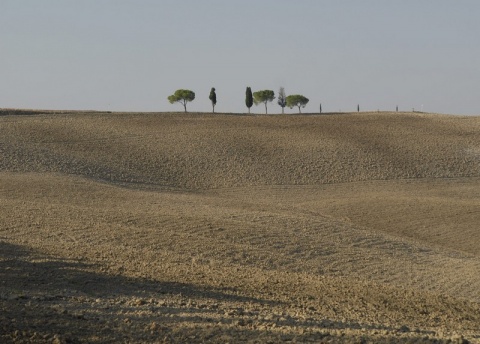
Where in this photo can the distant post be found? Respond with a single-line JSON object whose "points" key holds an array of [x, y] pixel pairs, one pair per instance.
{"points": [[320, 107], [358, 108]]}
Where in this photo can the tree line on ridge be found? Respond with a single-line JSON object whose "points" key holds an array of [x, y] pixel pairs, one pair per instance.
{"points": [[260, 97]]}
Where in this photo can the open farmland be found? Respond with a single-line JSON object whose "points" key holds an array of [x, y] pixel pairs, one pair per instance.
{"points": [[144, 227]]}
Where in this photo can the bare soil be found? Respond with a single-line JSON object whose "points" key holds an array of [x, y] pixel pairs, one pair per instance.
{"points": [[173, 228]]}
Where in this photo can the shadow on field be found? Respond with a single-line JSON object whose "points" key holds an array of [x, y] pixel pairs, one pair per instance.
{"points": [[26, 272], [42, 296], [44, 299]]}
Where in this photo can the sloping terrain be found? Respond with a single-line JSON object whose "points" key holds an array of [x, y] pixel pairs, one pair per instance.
{"points": [[229, 228]]}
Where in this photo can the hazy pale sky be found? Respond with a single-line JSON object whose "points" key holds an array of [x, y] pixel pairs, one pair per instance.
{"points": [[130, 55]]}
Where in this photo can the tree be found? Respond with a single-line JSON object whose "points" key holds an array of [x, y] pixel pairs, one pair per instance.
{"points": [[264, 97], [213, 98], [248, 98], [297, 100], [282, 98], [182, 97]]}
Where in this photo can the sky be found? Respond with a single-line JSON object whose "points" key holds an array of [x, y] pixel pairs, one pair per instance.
{"points": [[130, 55]]}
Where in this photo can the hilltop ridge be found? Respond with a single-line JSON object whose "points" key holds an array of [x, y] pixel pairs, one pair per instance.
{"points": [[202, 151]]}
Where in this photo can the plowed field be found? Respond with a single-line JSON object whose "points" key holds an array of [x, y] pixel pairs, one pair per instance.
{"points": [[172, 228]]}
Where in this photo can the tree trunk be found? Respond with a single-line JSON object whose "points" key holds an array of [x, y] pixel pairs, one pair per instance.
{"points": [[185, 105], [213, 108], [266, 113], [299, 109]]}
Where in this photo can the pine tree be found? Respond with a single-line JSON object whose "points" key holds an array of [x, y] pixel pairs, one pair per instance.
{"points": [[263, 97], [182, 97], [297, 100]]}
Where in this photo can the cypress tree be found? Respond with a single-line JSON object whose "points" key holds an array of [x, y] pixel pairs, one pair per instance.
{"points": [[213, 98], [249, 98], [282, 98]]}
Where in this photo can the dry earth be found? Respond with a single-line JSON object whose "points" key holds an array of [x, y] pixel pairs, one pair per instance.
{"points": [[144, 227]]}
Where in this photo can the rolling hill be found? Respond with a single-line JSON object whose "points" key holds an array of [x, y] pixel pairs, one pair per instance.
{"points": [[168, 227]]}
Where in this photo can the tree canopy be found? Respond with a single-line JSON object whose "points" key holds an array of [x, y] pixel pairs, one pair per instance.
{"points": [[264, 97], [182, 97], [248, 98], [213, 98], [297, 100]]}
